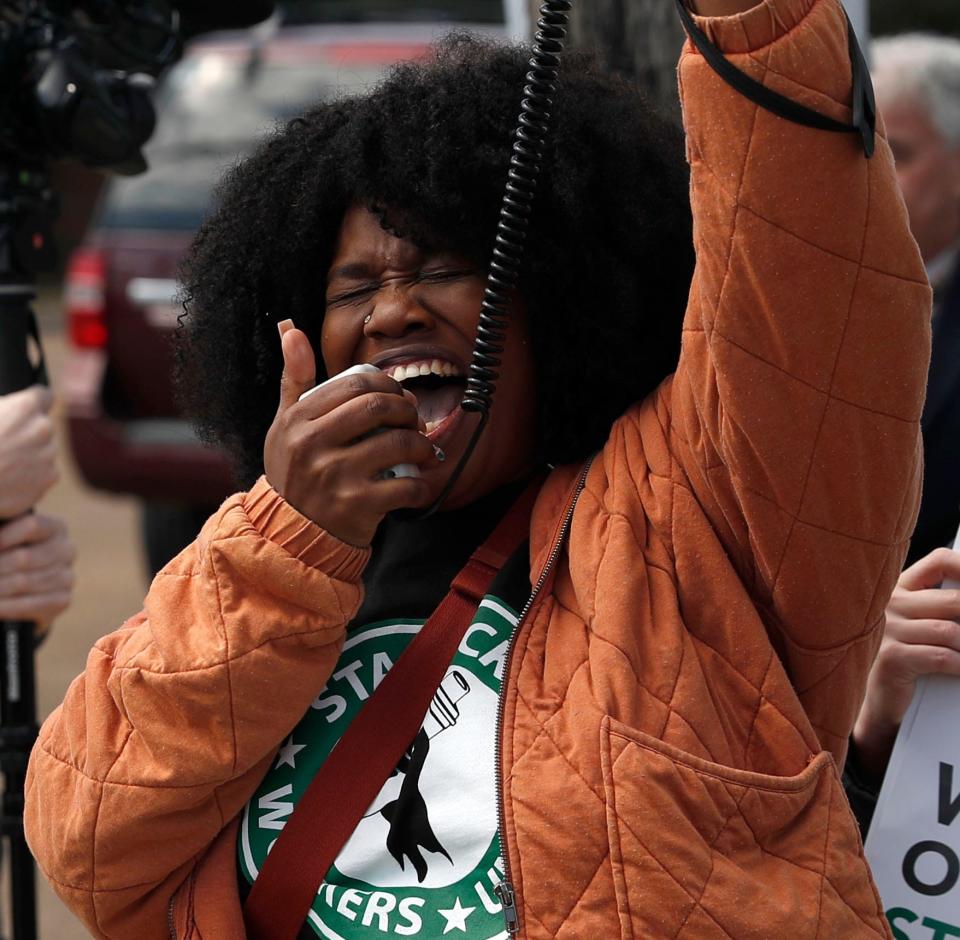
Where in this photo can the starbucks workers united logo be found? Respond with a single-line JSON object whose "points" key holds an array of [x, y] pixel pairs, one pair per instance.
{"points": [[424, 859]]}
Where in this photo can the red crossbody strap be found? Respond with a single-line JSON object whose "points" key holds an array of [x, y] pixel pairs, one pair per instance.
{"points": [[336, 799]]}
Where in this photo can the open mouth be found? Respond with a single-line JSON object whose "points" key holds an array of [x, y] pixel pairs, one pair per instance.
{"points": [[438, 385]]}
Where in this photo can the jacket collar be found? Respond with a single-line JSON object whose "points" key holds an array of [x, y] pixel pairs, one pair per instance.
{"points": [[548, 515]]}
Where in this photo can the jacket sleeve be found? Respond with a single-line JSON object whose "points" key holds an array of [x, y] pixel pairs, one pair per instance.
{"points": [[794, 412], [169, 730]]}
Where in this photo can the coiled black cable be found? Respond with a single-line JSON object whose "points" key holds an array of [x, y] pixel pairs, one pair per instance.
{"points": [[529, 142]]}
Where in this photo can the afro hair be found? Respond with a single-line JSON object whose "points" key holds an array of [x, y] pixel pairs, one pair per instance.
{"points": [[609, 252]]}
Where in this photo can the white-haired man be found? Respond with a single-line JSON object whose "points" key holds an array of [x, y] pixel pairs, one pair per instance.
{"points": [[917, 80]]}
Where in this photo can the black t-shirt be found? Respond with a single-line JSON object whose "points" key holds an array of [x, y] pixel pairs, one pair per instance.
{"points": [[413, 561], [414, 838]]}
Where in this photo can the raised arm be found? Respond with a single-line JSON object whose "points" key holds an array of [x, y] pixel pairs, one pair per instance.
{"points": [[169, 730], [794, 410]]}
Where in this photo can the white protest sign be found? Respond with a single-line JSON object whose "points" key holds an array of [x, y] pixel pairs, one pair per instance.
{"points": [[914, 841]]}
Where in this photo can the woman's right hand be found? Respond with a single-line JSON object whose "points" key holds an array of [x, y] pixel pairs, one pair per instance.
{"points": [[318, 454], [922, 637]]}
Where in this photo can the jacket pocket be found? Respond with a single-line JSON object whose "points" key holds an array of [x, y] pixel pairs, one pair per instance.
{"points": [[701, 851]]}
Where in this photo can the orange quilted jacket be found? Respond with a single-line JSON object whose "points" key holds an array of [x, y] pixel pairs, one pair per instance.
{"points": [[677, 704]]}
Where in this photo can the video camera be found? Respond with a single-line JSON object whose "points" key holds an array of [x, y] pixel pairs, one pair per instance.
{"points": [[75, 83], [75, 79]]}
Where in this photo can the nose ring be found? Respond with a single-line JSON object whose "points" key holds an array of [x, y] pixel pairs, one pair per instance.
{"points": [[367, 319]]}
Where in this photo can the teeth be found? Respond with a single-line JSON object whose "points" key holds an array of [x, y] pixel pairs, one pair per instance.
{"points": [[432, 425], [416, 369]]}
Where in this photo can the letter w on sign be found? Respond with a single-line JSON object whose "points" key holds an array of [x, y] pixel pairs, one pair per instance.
{"points": [[949, 804], [913, 843]]}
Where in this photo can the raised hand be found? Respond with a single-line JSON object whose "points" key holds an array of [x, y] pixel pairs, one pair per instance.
{"points": [[322, 456]]}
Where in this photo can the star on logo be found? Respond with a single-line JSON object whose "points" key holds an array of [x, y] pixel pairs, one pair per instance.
{"points": [[456, 917], [288, 754]]}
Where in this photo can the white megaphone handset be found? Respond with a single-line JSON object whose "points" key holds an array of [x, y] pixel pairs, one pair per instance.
{"points": [[401, 469]]}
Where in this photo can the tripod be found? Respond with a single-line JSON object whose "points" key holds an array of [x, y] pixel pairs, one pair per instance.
{"points": [[26, 207]]}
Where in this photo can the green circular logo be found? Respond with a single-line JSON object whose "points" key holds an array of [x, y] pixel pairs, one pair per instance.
{"points": [[425, 857]]}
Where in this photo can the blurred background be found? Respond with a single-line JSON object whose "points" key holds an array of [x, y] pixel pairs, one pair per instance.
{"points": [[136, 484]]}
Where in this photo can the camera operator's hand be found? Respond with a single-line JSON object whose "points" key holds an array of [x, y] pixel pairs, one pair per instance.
{"points": [[317, 456], [922, 637], [36, 569], [27, 450]]}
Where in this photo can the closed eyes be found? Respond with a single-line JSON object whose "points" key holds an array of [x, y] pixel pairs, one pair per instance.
{"points": [[345, 298], [445, 274]]}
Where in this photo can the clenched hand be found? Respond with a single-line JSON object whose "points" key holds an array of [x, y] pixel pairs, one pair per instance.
{"points": [[36, 569], [27, 450]]}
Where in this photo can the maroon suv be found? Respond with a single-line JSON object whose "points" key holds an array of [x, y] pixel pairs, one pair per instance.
{"points": [[121, 292]]}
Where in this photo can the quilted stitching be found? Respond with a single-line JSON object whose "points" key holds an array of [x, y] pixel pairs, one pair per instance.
{"points": [[544, 734], [825, 880], [836, 363], [566, 916], [831, 397], [678, 879], [737, 795]]}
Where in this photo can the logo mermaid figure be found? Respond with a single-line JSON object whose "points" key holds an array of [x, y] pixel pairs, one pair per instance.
{"points": [[401, 802]]}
